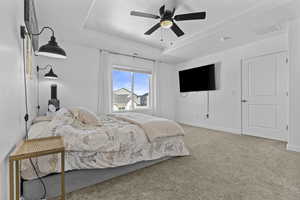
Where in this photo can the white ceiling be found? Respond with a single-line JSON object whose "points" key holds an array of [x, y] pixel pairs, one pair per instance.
{"points": [[113, 17], [107, 24]]}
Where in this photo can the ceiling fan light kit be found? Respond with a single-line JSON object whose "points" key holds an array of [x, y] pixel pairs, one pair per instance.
{"points": [[166, 24], [167, 19]]}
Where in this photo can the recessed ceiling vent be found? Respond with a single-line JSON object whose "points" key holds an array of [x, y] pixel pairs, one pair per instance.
{"points": [[270, 29]]}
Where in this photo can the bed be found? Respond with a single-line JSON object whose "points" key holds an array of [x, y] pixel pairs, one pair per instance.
{"points": [[99, 148]]}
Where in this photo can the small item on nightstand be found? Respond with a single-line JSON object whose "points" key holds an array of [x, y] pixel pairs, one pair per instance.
{"points": [[53, 103]]}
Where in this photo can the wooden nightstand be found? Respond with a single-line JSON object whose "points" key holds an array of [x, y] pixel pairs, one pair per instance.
{"points": [[30, 149]]}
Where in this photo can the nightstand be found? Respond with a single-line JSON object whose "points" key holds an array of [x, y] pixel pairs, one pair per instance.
{"points": [[30, 149]]}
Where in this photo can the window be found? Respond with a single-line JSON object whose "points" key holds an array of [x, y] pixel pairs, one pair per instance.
{"points": [[131, 90]]}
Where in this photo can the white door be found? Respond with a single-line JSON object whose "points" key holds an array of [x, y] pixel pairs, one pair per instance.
{"points": [[265, 96]]}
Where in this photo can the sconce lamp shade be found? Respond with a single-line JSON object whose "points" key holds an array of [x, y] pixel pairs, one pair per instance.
{"points": [[51, 75], [51, 49]]}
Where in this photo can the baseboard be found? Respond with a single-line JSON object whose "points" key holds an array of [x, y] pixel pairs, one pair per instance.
{"points": [[223, 129], [217, 128], [293, 148], [272, 137]]}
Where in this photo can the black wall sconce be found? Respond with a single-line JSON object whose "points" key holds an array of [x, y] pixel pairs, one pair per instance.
{"points": [[51, 49], [49, 75]]}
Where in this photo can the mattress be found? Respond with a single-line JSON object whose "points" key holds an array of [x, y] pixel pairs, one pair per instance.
{"points": [[116, 143]]}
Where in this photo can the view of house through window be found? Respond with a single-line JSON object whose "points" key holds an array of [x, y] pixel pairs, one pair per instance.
{"points": [[131, 90]]}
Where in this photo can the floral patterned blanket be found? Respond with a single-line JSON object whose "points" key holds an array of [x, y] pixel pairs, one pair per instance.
{"points": [[115, 143]]}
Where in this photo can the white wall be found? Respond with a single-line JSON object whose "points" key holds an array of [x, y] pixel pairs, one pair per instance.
{"points": [[1, 193], [294, 47], [166, 78], [77, 78], [78, 82], [225, 106], [12, 103]]}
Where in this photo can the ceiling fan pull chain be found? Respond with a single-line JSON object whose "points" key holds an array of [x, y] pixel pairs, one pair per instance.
{"points": [[161, 35]]}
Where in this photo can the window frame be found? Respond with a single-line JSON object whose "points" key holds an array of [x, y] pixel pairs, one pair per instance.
{"points": [[133, 70]]}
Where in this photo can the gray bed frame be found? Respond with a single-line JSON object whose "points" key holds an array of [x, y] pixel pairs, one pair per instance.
{"points": [[77, 179]]}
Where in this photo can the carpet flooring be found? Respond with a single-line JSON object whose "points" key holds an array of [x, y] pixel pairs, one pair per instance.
{"points": [[222, 166]]}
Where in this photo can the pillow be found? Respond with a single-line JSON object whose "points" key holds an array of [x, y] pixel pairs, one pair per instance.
{"points": [[63, 116], [39, 130], [85, 117]]}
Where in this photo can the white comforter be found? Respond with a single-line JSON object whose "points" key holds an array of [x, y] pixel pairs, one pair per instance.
{"points": [[154, 127], [116, 143]]}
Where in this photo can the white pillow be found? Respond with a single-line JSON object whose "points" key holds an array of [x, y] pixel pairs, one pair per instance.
{"points": [[86, 117]]}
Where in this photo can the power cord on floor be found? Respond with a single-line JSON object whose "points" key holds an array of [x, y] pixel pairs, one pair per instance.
{"points": [[26, 117], [40, 179]]}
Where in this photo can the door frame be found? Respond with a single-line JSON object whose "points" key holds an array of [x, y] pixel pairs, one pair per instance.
{"points": [[287, 92]]}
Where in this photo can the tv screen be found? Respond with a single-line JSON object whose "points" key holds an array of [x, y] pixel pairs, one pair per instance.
{"points": [[197, 79]]}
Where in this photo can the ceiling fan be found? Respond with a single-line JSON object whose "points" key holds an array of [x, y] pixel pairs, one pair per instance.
{"points": [[167, 19]]}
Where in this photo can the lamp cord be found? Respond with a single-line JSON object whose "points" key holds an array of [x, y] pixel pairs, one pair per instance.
{"points": [[38, 89], [26, 118]]}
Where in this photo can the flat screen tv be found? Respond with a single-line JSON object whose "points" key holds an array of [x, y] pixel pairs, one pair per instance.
{"points": [[198, 79]]}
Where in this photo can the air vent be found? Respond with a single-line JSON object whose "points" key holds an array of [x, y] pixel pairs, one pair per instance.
{"points": [[225, 38], [269, 29]]}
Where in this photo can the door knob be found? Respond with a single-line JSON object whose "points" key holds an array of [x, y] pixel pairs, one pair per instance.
{"points": [[244, 101]]}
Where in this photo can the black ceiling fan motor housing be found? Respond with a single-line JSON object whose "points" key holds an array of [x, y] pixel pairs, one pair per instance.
{"points": [[167, 16]]}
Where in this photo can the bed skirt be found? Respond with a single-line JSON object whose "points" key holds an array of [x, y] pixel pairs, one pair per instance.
{"points": [[77, 179]]}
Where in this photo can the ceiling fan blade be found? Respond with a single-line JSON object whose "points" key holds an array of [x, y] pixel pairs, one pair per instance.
{"points": [[154, 28], [173, 11], [190, 16], [162, 10], [177, 30], [142, 14]]}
